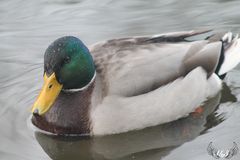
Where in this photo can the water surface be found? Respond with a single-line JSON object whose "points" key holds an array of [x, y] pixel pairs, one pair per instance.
{"points": [[27, 27]]}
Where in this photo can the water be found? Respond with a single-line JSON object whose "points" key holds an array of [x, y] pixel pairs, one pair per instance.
{"points": [[28, 26]]}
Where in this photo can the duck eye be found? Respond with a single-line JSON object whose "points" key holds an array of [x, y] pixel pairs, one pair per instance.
{"points": [[50, 86], [67, 59]]}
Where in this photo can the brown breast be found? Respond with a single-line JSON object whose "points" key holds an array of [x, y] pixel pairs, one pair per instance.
{"points": [[69, 113]]}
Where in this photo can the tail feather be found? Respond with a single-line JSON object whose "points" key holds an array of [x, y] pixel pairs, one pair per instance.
{"points": [[230, 56]]}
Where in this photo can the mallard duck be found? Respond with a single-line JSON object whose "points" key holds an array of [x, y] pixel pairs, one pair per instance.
{"points": [[130, 83]]}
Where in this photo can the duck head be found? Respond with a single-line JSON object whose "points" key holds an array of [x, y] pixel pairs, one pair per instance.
{"points": [[68, 65]]}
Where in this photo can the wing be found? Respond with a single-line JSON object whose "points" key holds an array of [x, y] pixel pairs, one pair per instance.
{"points": [[233, 151], [212, 151], [134, 66]]}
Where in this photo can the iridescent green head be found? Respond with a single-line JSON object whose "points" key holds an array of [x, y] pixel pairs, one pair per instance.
{"points": [[67, 65], [71, 62]]}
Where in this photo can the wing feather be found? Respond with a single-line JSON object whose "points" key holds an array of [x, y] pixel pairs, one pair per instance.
{"points": [[137, 65]]}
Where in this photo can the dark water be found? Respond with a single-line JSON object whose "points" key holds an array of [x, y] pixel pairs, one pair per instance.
{"points": [[28, 26]]}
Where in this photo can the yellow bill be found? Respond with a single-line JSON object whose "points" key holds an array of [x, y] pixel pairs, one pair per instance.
{"points": [[50, 91]]}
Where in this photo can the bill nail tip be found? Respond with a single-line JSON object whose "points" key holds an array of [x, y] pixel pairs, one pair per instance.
{"points": [[36, 111]]}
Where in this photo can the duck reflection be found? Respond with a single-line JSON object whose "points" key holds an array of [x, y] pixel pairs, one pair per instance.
{"points": [[150, 143]]}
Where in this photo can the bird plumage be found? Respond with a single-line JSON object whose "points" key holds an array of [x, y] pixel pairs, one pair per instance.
{"points": [[149, 80]]}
